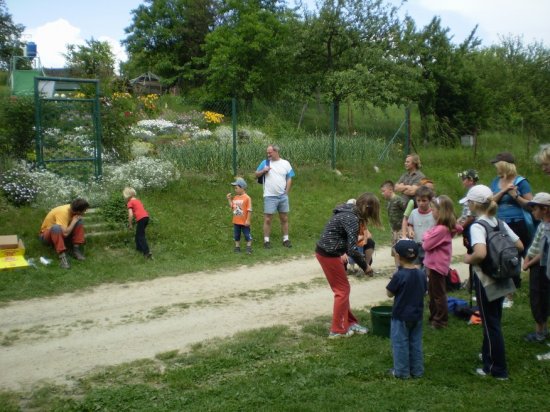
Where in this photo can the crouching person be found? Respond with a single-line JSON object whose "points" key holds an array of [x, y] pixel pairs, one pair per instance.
{"points": [[63, 224]]}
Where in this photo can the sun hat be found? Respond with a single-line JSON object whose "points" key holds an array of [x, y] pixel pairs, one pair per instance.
{"points": [[406, 248], [240, 182], [469, 174], [542, 199], [504, 157], [480, 194]]}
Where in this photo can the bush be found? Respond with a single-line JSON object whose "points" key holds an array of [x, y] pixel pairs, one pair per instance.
{"points": [[17, 126]]}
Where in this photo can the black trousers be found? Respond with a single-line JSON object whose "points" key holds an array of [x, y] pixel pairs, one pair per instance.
{"points": [[141, 241]]}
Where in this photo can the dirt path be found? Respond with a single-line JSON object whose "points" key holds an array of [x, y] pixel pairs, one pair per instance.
{"points": [[60, 338]]}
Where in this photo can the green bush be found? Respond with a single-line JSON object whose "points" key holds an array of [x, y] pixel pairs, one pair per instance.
{"points": [[16, 126]]}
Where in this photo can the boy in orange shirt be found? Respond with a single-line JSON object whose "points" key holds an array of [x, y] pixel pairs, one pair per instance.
{"points": [[241, 204]]}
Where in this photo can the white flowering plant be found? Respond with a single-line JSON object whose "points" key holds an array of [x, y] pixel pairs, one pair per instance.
{"points": [[25, 184]]}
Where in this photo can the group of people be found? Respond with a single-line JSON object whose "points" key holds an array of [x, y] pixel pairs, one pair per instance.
{"points": [[62, 227], [422, 225], [275, 175], [422, 246]]}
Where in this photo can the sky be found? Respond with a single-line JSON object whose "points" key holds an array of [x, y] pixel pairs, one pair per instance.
{"points": [[54, 24]]}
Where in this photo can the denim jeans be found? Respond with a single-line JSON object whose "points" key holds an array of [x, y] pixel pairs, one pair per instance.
{"points": [[406, 341]]}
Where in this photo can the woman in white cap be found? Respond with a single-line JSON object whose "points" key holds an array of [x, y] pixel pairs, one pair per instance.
{"points": [[490, 293]]}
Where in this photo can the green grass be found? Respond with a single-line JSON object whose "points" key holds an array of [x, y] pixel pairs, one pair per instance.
{"points": [[191, 226], [280, 368]]}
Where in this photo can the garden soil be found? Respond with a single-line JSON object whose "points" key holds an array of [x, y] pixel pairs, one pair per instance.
{"points": [[59, 339]]}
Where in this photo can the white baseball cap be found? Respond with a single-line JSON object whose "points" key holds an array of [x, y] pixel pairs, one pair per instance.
{"points": [[480, 194]]}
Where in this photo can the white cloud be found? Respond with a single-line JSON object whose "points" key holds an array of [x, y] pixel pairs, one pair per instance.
{"points": [[527, 18], [53, 37]]}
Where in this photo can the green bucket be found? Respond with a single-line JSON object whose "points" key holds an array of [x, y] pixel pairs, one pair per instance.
{"points": [[381, 320]]}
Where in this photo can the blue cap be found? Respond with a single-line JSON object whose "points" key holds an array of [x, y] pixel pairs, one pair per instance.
{"points": [[240, 182], [407, 249]]}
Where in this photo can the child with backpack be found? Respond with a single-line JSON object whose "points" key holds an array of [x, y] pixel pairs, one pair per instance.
{"points": [[490, 291], [408, 285], [437, 245], [539, 283]]}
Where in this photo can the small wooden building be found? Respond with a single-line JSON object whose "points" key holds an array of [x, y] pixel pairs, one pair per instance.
{"points": [[147, 83]]}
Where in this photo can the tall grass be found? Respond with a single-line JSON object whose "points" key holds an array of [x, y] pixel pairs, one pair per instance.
{"points": [[217, 157]]}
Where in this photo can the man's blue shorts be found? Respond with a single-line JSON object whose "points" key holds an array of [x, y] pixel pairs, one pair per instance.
{"points": [[274, 204]]}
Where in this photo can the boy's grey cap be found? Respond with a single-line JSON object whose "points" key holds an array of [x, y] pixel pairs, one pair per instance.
{"points": [[407, 249], [240, 182], [542, 199]]}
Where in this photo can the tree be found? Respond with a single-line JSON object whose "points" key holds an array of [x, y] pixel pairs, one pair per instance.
{"points": [[247, 54], [166, 35], [351, 50], [95, 59], [451, 99], [10, 33]]}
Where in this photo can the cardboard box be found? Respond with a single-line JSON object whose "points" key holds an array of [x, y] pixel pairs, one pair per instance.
{"points": [[8, 242], [14, 257]]}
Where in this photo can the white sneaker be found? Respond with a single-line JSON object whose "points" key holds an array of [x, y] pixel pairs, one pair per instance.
{"points": [[335, 335], [507, 303], [357, 328]]}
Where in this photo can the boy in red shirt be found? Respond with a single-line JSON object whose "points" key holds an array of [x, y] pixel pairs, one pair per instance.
{"points": [[241, 204], [137, 211]]}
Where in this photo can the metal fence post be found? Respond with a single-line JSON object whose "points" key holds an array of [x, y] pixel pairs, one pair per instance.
{"points": [[333, 136], [234, 126], [408, 129]]}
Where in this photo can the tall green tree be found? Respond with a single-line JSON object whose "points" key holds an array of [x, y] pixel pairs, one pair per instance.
{"points": [[519, 78], [351, 51], [10, 37], [166, 35], [451, 98], [94, 59], [248, 55]]}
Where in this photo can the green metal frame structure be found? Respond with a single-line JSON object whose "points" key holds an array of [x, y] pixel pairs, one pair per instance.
{"points": [[58, 115]]}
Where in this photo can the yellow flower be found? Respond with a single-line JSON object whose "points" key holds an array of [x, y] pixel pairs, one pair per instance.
{"points": [[213, 117]]}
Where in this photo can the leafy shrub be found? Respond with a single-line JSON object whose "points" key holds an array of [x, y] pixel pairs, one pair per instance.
{"points": [[117, 118], [17, 126], [113, 209]]}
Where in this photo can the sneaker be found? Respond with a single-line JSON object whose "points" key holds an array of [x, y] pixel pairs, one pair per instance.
{"points": [[544, 356], [481, 372], [507, 303], [336, 335], [77, 253], [237, 249], [286, 243], [534, 337], [149, 256], [63, 262], [357, 328], [249, 250], [267, 245]]}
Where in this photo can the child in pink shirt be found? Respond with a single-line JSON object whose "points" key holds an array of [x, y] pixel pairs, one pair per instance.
{"points": [[437, 244], [137, 211]]}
